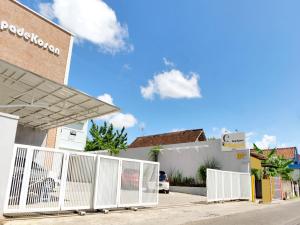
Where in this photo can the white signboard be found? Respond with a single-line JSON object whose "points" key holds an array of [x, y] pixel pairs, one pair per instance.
{"points": [[233, 141]]}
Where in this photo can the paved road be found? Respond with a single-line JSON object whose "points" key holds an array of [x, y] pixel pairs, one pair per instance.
{"points": [[288, 214], [178, 209]]}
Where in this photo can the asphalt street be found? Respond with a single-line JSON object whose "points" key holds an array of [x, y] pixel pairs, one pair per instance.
{"points": [[288, 214]]}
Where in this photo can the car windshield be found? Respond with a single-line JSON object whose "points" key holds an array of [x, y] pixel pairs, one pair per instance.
{"points": [[162, 177]]}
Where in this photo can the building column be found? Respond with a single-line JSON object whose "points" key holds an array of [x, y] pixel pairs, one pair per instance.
{"points": [[8, 124]]}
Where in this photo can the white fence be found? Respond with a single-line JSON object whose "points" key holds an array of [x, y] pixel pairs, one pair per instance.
{"points": [[226, 185], [43, 180]]}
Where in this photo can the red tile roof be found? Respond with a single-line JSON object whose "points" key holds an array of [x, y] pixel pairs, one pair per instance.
{"points": [[169, 138], [288, 153]]}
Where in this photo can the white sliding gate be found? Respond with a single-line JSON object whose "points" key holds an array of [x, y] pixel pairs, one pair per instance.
{"points": [[43, 180], [226, 185]]}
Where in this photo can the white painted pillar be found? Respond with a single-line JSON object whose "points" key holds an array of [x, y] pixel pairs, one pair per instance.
{"points": [[8, 128]]}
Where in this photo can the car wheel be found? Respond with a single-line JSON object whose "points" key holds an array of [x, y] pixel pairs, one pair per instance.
{"points": [[168, 191]]}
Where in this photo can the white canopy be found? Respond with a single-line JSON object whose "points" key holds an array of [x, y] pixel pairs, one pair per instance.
{"points": [[42, 103]]}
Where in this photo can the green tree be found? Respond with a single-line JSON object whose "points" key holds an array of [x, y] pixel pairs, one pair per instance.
{"points": [[105, 137], [275, 165], [154, 152]]}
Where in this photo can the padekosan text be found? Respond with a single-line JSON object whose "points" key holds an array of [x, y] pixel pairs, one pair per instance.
{"points": [[30, 37]]}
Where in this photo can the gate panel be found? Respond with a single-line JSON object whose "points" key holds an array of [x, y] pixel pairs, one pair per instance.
{"points": [[226, 185], [211, 185], [235, 186], [130, 183], [150, 183], [219, 183], [245, 189], [44, 180], [80, 180], [17, 178], [106, 183]]}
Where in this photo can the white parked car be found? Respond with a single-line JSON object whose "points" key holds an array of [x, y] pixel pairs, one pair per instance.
{"points": [[164, 185]]}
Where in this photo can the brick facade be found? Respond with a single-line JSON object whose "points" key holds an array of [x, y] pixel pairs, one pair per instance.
{"points": [[28, 55]]}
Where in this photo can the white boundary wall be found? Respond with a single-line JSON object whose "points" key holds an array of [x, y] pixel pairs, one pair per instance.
{"points": [[43, 180], [188, 157], [226, 185]]}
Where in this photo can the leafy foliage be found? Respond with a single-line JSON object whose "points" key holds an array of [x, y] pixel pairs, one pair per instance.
{"points": [[175, 178], [154, 152], [257, 173], [278, 165], [208, 164], [106, 138]]}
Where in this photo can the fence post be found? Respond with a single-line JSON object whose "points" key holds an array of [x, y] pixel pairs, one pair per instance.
{"points": [[231, 188], [26, 177], [119, 183], [217, 184], [95, 186], [157, 185], [141, 183], [223, 184], [239, 189], [10, 178], [63, 180]]}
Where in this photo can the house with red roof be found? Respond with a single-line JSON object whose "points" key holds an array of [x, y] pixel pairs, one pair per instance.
{"points": [[288, 153]]}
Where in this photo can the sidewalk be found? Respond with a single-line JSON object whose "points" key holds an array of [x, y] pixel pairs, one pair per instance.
{"points": [[176, 214]]}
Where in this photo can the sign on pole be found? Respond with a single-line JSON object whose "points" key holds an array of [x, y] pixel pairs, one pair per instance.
{"points": [[233, 141]]}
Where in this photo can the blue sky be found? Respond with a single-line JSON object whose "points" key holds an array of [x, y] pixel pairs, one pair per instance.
{"points": [[211, 64]]}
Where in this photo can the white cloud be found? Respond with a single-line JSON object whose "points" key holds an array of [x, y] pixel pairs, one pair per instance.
{"points": [[172, 84], [91, 20], [249, 136], [119, 120], [215, 129], [224, 130], [267, 141], [46, 10], [168, 62], [106, 98], [126, 66]]}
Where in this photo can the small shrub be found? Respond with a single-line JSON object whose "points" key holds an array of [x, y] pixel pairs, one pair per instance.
{"points": [[177, 179], [208, 164]]}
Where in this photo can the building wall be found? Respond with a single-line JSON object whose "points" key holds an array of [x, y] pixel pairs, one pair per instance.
{"points": [[29, 56], [188, 157], [255, 163], [34, 137], [72, 136]]}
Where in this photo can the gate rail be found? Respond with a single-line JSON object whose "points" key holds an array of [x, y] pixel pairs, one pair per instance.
{"points": [[44, 179]]}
